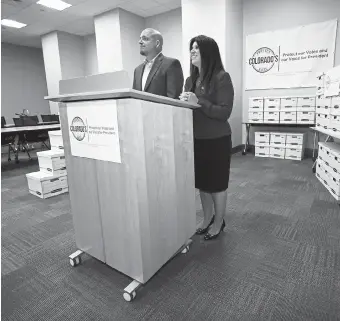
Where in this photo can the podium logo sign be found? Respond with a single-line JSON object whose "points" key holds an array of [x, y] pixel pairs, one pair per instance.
{"points": [[93, 130], [78, 128]]}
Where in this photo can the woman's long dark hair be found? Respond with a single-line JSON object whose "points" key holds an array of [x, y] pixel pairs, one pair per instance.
{"points": [[211, 62]]}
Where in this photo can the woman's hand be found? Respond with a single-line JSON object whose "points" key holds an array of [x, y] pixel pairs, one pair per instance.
{"points": [[189, 97]]}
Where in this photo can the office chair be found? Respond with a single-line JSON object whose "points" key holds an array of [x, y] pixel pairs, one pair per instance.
{"points": [[8, 139], [46, 118], [3, 121], [18, 122], [55, 118], [34, 118], [35, 136]]}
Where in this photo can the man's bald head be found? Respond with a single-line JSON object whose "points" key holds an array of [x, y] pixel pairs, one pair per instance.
{"points": [[151, 43]]}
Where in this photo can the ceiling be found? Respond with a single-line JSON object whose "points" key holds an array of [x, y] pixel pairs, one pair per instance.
{"points": [[77, 19]]}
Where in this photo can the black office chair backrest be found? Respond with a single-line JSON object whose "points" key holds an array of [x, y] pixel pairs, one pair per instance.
{"points": [[18, 122], [30, 120], [46, 118], [55, 118], [3, 121], [34, 118]]}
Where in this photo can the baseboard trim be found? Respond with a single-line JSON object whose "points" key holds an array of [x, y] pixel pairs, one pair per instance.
{"points": [[237, 149]]}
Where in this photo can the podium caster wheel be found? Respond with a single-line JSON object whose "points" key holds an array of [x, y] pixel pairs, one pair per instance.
{"points": [[243, 153], [129, 296], [76, 261], [9, 160], [185, 250]]}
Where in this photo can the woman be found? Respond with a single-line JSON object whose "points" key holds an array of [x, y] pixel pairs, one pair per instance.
{"points": [[211, 87]]}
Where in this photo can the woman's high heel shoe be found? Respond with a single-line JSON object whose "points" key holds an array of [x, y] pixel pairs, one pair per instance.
{"points": [[209, 236], [201, 231]]}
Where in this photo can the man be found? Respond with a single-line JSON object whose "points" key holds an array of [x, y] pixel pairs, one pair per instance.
{"points": [[158, 74]]}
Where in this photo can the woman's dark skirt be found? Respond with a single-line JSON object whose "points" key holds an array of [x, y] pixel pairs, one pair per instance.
{"points": [[212, 164]]}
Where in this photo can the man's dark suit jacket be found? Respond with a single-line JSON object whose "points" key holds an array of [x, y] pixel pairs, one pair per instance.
{"points": [[165, 77]]}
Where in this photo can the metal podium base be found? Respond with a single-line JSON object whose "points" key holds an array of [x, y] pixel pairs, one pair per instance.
{"points": [[130, 291]]}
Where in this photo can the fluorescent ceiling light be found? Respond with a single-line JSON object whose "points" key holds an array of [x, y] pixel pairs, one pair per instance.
{"points": [[12, 23], [55, 4]]}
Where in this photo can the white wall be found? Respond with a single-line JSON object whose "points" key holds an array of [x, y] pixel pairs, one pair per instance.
{"points": [[234, 63], [170, 25], [207, 17], [72, 55], [131, 27], [269, 15], [23, 83], [91, 61]]}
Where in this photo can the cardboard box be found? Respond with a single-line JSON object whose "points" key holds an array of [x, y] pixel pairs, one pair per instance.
{"points": [[294, 153], [324, 181], [306, 101], [272, 104], [263, 150], [288, 117], [305, 116], [320, 90], [46, 185], [271, 121], [322, 120], [288, 104], [295, 139], [271, 115], [277, 152], [333, 171], [56, 139], [323, 110], [330, 154], [51, 160], [335, 105], [260, 154], [256, 103], [322, 101], [334, 121], [331, 183], [256, 121], [263, 136], [255, 115], [277, 139]]}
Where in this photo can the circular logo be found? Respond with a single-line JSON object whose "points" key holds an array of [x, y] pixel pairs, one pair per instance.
{"points": [[263, 60], [78, 128]]}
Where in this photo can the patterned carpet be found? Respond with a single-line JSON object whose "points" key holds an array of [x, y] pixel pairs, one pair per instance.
{"points": [[279, 258]]}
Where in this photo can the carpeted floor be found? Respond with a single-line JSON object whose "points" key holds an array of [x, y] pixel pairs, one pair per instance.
{"points": [[279, 258]]}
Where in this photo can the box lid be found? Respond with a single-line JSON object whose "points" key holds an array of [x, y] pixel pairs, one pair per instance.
{"points": [[40, 176], [55, 133], [51, 153]]}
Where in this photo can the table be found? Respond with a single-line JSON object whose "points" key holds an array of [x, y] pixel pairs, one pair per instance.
{"points": [[330, 134], [11, 131], [29, 128], [250, 124], [40, 123]]}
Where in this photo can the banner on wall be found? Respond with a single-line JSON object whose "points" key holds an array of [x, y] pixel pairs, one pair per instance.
{"points": [[93, 130], [290, 58]]}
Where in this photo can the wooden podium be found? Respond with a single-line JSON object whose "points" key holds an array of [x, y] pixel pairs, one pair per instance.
{"points": [[137, 214]]}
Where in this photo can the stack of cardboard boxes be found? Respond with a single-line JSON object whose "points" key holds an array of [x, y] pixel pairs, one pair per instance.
{"points": [[283, 110], [328, 122], [328, 167], [51, 179], [280, 145]]}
